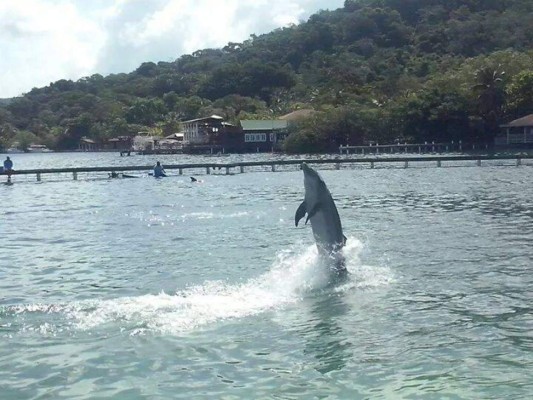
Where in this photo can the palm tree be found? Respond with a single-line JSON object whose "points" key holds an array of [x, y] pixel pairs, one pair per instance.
{"points": [[490, 96]]}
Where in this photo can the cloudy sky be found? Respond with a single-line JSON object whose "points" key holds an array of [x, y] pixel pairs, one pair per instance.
{"points": [[42, 41]]}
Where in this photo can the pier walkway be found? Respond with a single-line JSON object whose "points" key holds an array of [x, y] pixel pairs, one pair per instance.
{"points": [[240, 167], [413, 148]]}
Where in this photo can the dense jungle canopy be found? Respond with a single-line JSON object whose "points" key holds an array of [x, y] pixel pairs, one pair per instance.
{"points": [[375, 70]]}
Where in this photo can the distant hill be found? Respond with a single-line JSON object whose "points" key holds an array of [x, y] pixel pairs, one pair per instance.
{"points": [[378, 70], [5, 102]]}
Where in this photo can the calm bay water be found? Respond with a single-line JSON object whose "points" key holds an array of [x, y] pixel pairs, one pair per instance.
{"points": [[158, 289]]}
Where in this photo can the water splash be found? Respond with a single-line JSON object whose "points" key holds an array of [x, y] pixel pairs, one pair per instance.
{"points": [[295, 273]]}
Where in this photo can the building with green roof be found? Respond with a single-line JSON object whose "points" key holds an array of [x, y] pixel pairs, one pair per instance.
{"points": [[263, 135]]}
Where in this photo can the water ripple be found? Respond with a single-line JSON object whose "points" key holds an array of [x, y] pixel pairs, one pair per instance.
{"points": [[148, 289]]}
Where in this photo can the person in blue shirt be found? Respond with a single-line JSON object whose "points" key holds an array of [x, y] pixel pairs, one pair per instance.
{"points": [[159, 171], [8, 168], [8, 164]]}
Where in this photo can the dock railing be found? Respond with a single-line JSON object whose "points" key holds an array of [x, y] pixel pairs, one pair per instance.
{"points": [[425, 147], [230, 167]]}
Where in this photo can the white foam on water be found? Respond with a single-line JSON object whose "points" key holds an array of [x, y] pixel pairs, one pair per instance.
{"points": [[295, 272], [362, 276], [212, 215], [198, 215]]}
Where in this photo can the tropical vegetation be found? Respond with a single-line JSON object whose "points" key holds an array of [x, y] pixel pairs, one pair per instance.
{"points": [[374, 70]]}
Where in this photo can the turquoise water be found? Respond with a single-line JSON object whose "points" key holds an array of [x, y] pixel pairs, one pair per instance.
{"points": [[158, 289]]}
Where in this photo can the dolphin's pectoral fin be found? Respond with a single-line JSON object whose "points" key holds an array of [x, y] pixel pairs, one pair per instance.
{"points": [[300, 212], [313, 211]]}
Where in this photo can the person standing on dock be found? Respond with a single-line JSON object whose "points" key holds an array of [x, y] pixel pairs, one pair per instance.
{"points": [[159, 171], [8, 168]]}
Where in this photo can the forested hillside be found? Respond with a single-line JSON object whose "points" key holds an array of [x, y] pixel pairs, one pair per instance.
{"points": [[381, 70]]}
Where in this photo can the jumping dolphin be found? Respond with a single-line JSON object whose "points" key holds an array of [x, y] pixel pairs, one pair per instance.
{"points": [[324, 217]]}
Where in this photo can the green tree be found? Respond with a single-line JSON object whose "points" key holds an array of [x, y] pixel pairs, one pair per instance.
{"points": [[379, 69], [189, 107], [432, 114], [491, 96], [520, 95], [73, 130], [171, 100], [24, 139], [146, 112], [147, 69]]}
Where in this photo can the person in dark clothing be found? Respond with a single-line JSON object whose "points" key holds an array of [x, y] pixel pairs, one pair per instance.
{"points": [[159, 171], [8, 168]]}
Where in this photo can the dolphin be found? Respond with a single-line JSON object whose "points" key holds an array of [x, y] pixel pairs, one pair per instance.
{"points": [[325, 221]]}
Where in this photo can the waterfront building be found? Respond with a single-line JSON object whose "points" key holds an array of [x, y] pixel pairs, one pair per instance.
{"points": [[516, 133]]}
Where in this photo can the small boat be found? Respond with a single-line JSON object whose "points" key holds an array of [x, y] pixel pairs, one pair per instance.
{"points": [[38, 148], [14, 150]]}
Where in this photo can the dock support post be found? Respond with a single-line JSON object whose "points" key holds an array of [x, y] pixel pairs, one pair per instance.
{"points": [[227, 170], [181, 171], [479, 162], [406, 164], [371, 164], [242, 169], [273, 167], [39, 176], [337, 166], [518, 161], [207, 170], [438, 163], [75, 175]]}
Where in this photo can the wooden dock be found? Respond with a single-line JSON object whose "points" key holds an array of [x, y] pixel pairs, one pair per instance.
{"points": [[240, 167], [405, 148]]}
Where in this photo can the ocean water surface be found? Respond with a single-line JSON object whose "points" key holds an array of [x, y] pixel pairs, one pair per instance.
{"points": [[162, 289]]}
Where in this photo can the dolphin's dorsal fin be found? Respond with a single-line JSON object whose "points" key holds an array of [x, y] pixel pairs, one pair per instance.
{"points": [[344, 237], [300, 212], [313, 211]]}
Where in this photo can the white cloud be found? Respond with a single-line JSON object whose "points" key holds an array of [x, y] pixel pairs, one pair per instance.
{"points": [[42, 42], [46, 40]]}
